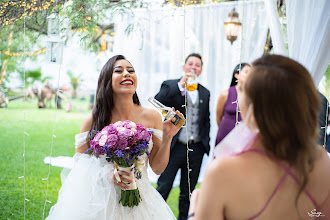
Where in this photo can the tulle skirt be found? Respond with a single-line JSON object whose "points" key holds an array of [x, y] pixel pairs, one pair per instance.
{"points": [[87, 194]]}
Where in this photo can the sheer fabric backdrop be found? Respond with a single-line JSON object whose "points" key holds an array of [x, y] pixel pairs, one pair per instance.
{"points": [[160, 39], [308, 25], [275, 27]]}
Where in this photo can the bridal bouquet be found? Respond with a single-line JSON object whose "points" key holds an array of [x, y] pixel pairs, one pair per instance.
{"points": [[123, 143]]}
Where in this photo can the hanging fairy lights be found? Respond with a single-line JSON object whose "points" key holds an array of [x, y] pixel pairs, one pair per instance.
{"points": [[191, 2], [240, 61], [24, 118], [185, 108], [8, 53], [55, 56]]}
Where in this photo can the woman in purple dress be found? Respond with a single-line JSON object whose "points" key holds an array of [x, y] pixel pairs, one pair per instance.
{"points": [[226, 105]]}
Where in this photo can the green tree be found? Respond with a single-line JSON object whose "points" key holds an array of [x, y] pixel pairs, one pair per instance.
{"points": [[23, 22], [30, 76], [90, 19], [17, 44]]}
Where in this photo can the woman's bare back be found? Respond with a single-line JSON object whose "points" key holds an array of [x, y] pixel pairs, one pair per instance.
{"points": [[266, 190]]}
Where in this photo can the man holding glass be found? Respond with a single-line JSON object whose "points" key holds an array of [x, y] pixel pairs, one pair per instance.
{"points": [[195, 134]]}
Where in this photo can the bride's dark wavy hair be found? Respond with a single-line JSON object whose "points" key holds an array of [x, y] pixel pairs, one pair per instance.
{"points": [[102, 111]]}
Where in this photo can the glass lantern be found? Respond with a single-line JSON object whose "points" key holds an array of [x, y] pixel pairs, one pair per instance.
{"points": [[54, 50], [232, 26]]}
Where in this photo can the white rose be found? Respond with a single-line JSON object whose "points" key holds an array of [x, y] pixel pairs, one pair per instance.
{"points": [[134, 130], [102, 140], [120, 129], [117, 123], [104, 132], [132, 124]]}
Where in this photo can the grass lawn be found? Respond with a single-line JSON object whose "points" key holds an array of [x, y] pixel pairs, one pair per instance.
{"points": [[23, 116]]}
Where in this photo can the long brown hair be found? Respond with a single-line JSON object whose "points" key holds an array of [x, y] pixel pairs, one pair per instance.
{"points": [[102, 111], [286, 104]]}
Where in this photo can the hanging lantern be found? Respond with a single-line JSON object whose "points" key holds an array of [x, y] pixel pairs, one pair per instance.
{"points": [[54, 41], [53, 25], [54, 50], [232, 26]]}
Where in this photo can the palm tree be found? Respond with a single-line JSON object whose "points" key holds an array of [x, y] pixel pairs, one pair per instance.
{"points": [[75, 81]]}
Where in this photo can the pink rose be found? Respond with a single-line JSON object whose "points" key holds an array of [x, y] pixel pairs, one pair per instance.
{"points": [[125, 134], [112, 139], [139, 127], [139, 135], [126, 124], [145, 135], [112, 129], [93, 143]]}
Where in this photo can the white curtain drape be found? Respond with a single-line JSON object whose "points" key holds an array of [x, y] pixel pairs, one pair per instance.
{"points": [[275, 27], [160, 40], [308, 26]]}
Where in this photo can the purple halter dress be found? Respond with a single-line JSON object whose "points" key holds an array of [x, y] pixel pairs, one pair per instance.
{"points": [[229, 115]]}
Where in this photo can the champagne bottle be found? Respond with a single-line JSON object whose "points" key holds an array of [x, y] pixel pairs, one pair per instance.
{"points": [[167, 112]]}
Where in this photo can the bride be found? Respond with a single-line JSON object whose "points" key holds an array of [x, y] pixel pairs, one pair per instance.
{"points": [[91, 191]]}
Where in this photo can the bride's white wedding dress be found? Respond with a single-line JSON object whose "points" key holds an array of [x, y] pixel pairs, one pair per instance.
{"points": [[87, 194]]}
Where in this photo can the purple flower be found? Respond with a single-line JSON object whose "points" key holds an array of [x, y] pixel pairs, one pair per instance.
{"points": [[112, 129], [122, 144], [138, 136], [106, 148], [145, 135], [139, 127], [119, 153], [99, 150], [112, 140], [94, 132], [125, 134]]}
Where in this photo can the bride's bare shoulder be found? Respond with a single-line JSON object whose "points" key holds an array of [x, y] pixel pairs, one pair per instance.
{"points": [[151, 116], [149, 112]]}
